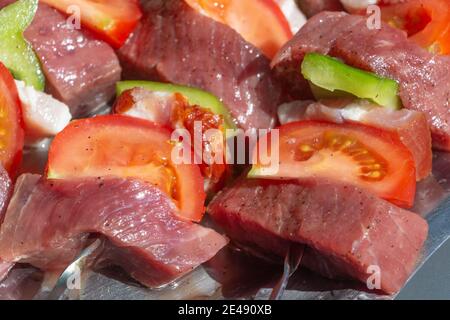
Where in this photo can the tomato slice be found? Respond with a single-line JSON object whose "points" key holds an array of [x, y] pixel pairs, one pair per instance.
{"points": [[11, 123], [123, 146], [260, 22], [427, 22], [361, 155], [111, 20]]}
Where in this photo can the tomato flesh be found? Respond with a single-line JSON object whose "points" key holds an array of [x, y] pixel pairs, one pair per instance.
{"points": [[11, 123], [111, 20], [122, 146], [427, 22], [186, 116], [353, 153], [260, 22], [176, 112]]}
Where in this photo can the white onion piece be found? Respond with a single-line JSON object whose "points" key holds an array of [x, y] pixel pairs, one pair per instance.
{"points": [[43, 115]]}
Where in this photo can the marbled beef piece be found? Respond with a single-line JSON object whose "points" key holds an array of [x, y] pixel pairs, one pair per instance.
{"points": [[48, 223], [423, 76], [175, 43], [80, 70], [346, 229]]}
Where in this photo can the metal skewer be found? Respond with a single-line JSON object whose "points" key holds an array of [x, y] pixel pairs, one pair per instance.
{"points": [[291, 263], [68, 275]]}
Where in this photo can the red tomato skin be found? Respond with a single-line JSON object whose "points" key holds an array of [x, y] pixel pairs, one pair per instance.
{"points": [[12, 158], [275, 8], [427, 22], [191, 196], [401, 190]]}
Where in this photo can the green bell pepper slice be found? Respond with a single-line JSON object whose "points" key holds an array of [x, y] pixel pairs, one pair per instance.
{"points": [[338, 78], [15, 52]]}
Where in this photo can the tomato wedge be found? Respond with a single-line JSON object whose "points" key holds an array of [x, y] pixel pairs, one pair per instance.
{"points": [[361, 155], [11, 123], [260, 22], [111, 20], [427, 22], [127, 147]]}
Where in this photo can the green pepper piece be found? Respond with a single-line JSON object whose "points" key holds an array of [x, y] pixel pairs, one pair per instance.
{"points": [[193, 95], [335, 76], [15, 52]]}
